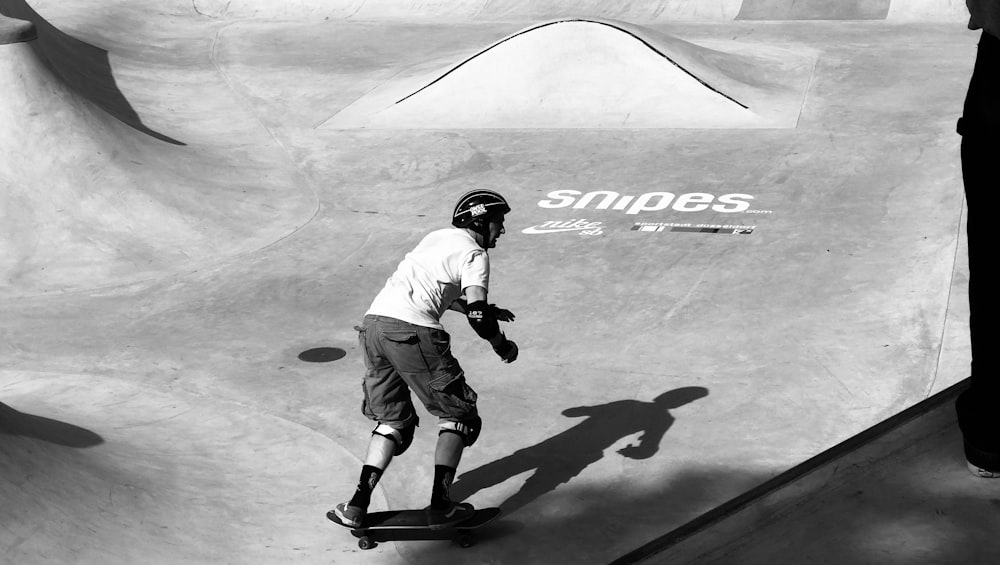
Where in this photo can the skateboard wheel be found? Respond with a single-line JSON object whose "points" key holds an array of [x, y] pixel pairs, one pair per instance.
{"points": [[465, 540], [366, 543]]}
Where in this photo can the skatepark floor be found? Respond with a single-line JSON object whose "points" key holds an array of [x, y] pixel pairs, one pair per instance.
{"points": [[741, 305], [896, 493]]}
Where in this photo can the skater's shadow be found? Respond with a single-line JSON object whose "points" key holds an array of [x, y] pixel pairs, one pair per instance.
{"points": [[17, 423], [560, 458]]}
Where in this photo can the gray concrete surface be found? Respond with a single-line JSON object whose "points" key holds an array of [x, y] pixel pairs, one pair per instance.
{"points": [[179, 227], [893, 494]]}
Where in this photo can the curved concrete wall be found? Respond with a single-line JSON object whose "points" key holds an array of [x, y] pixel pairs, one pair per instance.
{"points": [[16, 31], [930, 10], [641, 11], [91, 197]]}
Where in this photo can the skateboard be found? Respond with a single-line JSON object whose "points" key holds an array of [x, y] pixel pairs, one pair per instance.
{"points": [[394, 525]]}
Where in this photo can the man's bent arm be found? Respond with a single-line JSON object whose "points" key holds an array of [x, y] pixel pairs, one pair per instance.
{"points": [[475, 294]]}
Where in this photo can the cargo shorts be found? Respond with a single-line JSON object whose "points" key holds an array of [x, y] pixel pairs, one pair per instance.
{"points": [[401, 358]]}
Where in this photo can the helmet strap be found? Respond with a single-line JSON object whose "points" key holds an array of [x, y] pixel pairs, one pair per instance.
{"points": [[481, 231]]}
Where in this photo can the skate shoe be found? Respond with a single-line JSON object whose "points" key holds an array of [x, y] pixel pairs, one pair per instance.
{"points": [[441, 518], [983, 473], [350, 516]]}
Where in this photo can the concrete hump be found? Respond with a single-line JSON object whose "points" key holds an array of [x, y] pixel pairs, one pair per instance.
{"points": [[588, 73]]}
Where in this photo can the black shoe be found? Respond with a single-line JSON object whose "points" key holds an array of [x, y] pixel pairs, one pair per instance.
{"points": [[982, 473], [350, 516], [441, 518]]}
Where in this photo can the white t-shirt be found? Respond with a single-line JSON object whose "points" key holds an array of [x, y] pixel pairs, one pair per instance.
{"points": [[431, 277]]}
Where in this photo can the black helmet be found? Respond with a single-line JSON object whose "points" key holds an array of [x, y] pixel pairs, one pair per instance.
{"points": [[478, 204]]}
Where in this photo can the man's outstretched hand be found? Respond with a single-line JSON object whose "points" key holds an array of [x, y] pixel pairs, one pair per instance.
{"points": [[502, 314]]}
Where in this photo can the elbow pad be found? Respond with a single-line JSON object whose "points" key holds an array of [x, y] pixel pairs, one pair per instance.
{"points": [[483, 319]]}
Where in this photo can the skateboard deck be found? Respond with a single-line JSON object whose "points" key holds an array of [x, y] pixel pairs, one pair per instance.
{"points": [[395, 525]]}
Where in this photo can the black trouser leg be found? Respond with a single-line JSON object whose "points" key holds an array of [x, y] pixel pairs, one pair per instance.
{"points": [[978, 407]]}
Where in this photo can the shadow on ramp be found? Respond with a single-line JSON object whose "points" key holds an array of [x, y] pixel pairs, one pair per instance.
{"points": [[83, 67], [558, 459], [898, 492], [52, 431]]}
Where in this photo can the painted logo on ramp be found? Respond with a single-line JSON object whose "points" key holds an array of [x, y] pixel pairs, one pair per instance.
{"points": [[581, 226]]}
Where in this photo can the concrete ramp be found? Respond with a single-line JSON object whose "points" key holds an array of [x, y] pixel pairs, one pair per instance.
{"points": [[576, 73], [646, 12], [465, 10], [89, 196], [814, 10], [144, 481], [928, 10], [893, 10], [186, 253], [13, 30]]}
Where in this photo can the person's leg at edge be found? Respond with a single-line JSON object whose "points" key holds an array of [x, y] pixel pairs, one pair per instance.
{"points": [[978, 405], [979, 128]]}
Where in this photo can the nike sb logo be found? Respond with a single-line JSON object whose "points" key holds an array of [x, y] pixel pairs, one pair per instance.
{"points": [[582, 226]]}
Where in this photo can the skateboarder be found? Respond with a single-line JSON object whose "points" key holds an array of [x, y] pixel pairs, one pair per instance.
{"points": [[979, 405], [407, 350]]}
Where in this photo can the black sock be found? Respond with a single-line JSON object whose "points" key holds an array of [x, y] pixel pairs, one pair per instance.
{"points": [[366, 484], [441, 493]]}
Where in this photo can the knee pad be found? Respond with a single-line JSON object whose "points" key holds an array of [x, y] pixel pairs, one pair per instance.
{"points": [[467, 429], [402, 437]]}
